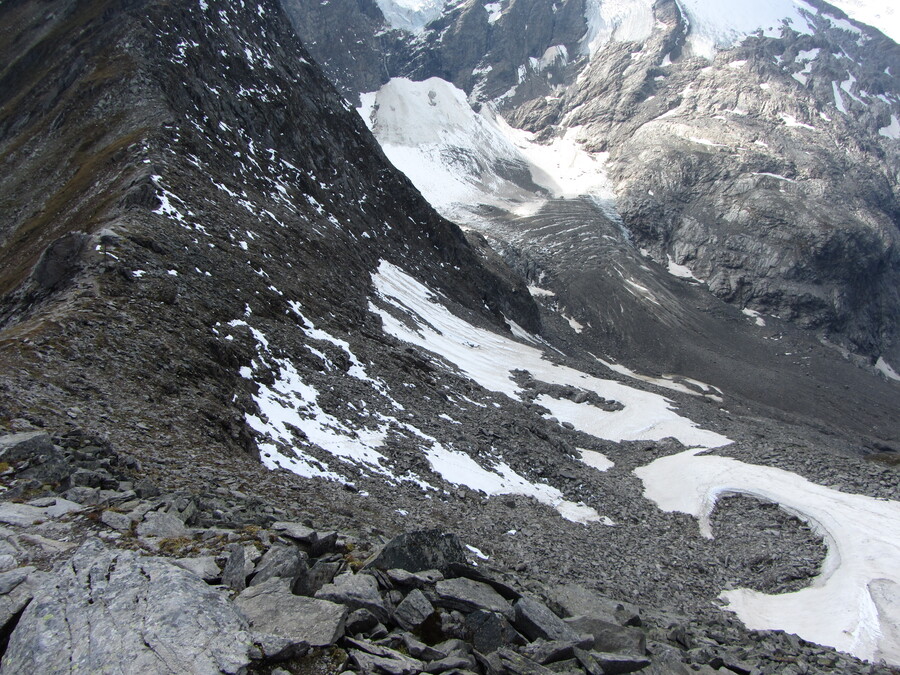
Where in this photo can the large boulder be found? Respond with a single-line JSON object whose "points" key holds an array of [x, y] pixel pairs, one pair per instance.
{"points": [[418, 551], [110, 611], [272, 608]]}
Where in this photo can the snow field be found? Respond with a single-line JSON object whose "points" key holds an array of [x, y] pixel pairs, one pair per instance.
{"points": [[854, 604]]}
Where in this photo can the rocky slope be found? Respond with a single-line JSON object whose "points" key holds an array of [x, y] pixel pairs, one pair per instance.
{"points": [[217, 287], [765, 164]]}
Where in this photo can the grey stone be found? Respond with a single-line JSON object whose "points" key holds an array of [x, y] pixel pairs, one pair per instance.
{"points": [[418, 551], [419, 649], [235, 573], [610, 637], [619, 664], [414, 579], [488, 631], [115, 611], [360, 621], [21, 515], [275, 648], [574, 600], [516, 664], [535, 621], [8, 562], [544, 651], [356, 591], [467, 596], [17, 598], [413, 611], [160, 524], [370, 657], [62, 507], [286, 562], [47, 545], [272, 608], [83, 495], [296, 531], [449, 663], [9, 580], [204, 567], [25, 445], [321, 573], [117, 521]]}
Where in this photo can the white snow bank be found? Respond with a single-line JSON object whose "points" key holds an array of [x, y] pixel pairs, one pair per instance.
{"points": [[756, 316], [673, 382], [596, 460], [883, 15], [885, 369], [460, 469], [680, 271], [854, 604], [490, 359], [458, 158], [713, 24], [411, 15], [892, 130]]}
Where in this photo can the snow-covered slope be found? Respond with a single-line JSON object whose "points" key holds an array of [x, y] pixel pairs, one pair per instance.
{"points": [[460, 159]]}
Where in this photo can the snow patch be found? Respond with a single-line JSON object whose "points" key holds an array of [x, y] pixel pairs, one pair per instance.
{"points": [[892, 130], [490, 359], [753, 314], [596, 460], [411, 15], [680, 271], [854, 604], [885, 369]]}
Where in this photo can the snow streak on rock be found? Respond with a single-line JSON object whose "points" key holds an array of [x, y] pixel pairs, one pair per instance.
{"points": [[491, 359], [458, 158], [854, 605]]}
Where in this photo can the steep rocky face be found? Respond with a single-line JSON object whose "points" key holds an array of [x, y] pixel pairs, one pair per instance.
{"points": [[766, 164]]}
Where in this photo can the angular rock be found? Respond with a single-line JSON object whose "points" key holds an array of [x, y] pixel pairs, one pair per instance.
{"points": [[573, 600], [274, 648], [544, 652], [390, 665], [370, 657], [296, 531], [418, 551], [619, 664], [475, 574], [62, 507], [204, 567], [115, 611], [356, 591], [489, 631], [610, 637], [235, 573], [413, 611], [535, 621], [449, 663], [414, 579], [360, 621], [286, 562], [320, 574], [25, 445], [163, 525], [21, 515], [516, 664], [117, 521], [420, 650], [272, 608], [467, 596], [9, 580]]}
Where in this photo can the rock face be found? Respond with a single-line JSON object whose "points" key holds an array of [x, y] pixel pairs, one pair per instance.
{"points": [[113, 611], [767, 168]]}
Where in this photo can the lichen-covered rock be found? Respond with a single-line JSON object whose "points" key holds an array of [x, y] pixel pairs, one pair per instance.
{"points": [[116, 611]]}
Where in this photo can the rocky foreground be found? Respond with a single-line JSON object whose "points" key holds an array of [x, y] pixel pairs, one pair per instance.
{"points": [[104, 573]]}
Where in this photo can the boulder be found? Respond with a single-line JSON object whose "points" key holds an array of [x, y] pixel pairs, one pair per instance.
{"points": [[117, 521], [619, 664], [413, 611], [467, 596], [573, 600], [488, 632], [418, 551], [21, 515], [535, 621], [204, 567], [235, 573], [356, 591], [25, 445], [610, 637], [160, 524], [116, 611], [285, 562], [271, 608], [297, 532]]}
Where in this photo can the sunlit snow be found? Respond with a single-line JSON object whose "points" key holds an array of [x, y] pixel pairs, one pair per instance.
{"points": [[854, 604], [490, 359]]}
